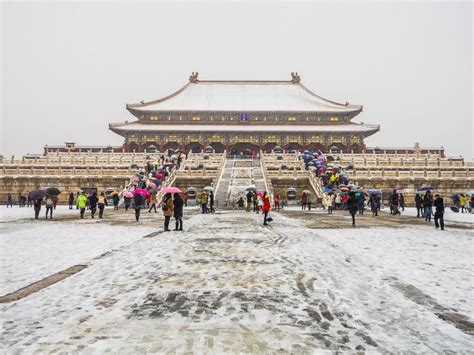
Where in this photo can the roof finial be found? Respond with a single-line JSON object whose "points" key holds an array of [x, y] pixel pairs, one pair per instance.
{"points": [[295, 78], [194, 77]]}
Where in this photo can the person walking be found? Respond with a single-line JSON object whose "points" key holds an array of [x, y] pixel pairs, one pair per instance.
{"points": [[394, 203], [178, 204], [211, 202], [266, 207], [330, 202], [127, 202], [309, 201], [304, 201], [167, 210], [93, 203], [375, 204], [361, 203], [102, 202], [338, 200], [352, 206], [49, 203], [9, 200], [255, 201], [138, 203], [37, 207], [241, 203], [77, 196], [419, 205], [203, 201], [401, 198], [185, 198], [153, 201], [428, 205], [71, 200], [462, 202], [81, 203], [439, 212], [115, 201], [30, 201]]}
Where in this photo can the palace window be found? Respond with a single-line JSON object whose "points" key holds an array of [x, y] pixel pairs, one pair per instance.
{"points": [[196, 118], [291, 118], [334, 119], [153, 118]]}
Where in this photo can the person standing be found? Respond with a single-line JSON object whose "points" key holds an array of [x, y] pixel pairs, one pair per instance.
{"points": [[77, 196], [330, 202], [138, 203], [37, 207], [81, 203], [276, 201], [116, 200], [428, 205], [462, 202], [168, 210], [266, 207], [102, 203], [30, 201], [241, 203], [394, 203], [338, 201], [153, 202], [211, 202], [401, 198], [309, 201], [49, 202], [439, 212], [203, 201], [127, 202], [419, 205], [249, 201], [9, 200], [93, 203], [361, 203], [186, 197], [178, 204], [375, 204], [255, 201], [71, 200], [304, 201], [352, 206]]}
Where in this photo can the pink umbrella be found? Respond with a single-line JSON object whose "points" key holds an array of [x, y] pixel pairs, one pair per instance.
{"points": [[141, 192], [259, 193], [152, 185], [128, 194], [171, 189], [135, 179], [312, 168]]}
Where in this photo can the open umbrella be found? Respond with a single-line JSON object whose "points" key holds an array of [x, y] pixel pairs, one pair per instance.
{"points": [[114, 193], [171, 189], [128, 194], [152, 185], [250, 189], [52, 191], [141, 192], [426, 188], [37, 194], [312, 168], [470, 192], [344, 188], [374, 192], [135, 179], [326, 189], [208, 188], [307, 192]]}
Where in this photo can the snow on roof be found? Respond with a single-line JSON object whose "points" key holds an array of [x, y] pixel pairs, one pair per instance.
{"points": [[136, 126], [243, 96]]}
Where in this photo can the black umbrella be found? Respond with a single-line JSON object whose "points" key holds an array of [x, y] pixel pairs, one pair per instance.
{"points": [[53, 191], [37, 194], [250, 189]]}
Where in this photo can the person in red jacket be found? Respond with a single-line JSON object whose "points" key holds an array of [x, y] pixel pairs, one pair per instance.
{"points": [[266, 207]]}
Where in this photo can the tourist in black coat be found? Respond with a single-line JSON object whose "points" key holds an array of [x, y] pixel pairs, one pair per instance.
{"points": [[116, 200], [352, 206], [178, 204], [428, 205], [71, 200], [394, 202], [439, 212], [419, 205], [93, 203], [138, 203]]}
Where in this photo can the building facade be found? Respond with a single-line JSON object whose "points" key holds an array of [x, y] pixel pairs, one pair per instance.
{"points": [[243, 115]]}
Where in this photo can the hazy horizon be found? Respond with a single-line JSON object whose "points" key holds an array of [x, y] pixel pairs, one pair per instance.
{"points": [[68, 69]]}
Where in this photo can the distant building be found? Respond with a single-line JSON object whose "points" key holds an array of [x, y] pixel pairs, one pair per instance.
{"points": [[243, 115], [73, 148]]}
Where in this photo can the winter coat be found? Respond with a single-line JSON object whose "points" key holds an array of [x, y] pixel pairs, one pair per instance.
{"points": [[266, 204], [103, 201], [304, 200], [338, 198], [178, 203], [168, 212], [462, 200], [203, 199], [81, 201], [93, 201], [428, 201], [418, 201], [394, 199], [127, 201], [116, 199], [71, 199], [49, 201], [249, 197], [439, 204], [330, 200], [352, 204], [138, 201]]}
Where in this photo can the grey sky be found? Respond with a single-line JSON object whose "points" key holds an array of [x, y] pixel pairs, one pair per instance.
{"points": [[69, 69]]}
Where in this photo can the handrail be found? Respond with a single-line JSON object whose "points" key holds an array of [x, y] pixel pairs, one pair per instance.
{"points": [[266, 181]]}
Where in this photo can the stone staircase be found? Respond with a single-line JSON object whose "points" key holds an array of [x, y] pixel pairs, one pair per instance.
{"points": [[223, 184], [258, 178]]}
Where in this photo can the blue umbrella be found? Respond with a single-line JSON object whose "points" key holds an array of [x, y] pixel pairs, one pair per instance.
{"points": [[426, 188], [374, 192]]}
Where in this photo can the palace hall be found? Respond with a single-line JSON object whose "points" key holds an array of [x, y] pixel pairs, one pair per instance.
{"points": [[240, 115]]}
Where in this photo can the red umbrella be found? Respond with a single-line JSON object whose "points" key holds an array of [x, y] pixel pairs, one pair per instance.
{"points": [[141, 192]]}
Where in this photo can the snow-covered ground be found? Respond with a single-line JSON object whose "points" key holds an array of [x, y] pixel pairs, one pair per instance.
{"points": [[449, 215], [227, 286]]}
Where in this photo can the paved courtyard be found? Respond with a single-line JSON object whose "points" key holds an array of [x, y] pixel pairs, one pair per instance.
{"points": [[229, 284]]}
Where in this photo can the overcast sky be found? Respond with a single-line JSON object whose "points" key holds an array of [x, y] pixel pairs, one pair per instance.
{"points": [[69, 69]]}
